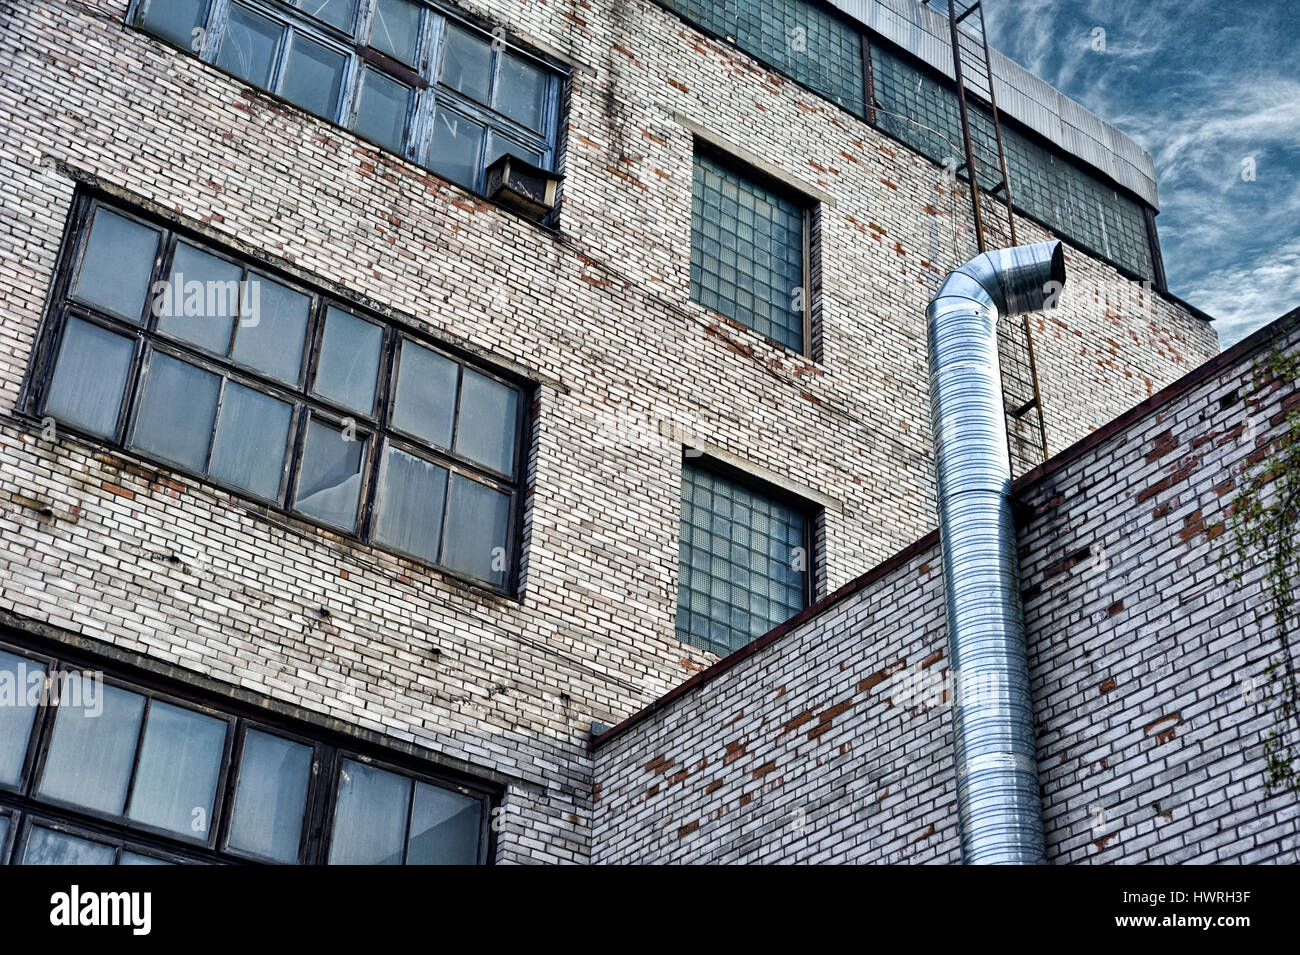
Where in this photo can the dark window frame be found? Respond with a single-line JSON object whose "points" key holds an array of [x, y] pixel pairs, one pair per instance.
{"points": [[810, 511], [808, 206], [149, 340], [25, 807], [30, 790], [423, 77]]}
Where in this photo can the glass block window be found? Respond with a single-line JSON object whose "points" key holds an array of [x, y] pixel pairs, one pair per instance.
{"points": [[165, 780], [923, 112], [744, 565], [748, 253], [220, 368], [795, 37], [401, 73]]}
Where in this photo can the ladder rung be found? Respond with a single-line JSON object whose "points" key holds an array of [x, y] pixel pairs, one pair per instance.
{"points": [[967, 12], [1024, 409]]}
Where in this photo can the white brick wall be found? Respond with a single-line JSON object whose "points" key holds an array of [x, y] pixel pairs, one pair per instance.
{"points": [[1147, 667], [599, 315]]}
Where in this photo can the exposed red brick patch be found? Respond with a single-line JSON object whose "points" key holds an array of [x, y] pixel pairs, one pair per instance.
{"points": [[739, 714], [764, 769], [744, 800], [713, 787], [687, 829], [1166, 734], [659, 764], [678, 776], [652, 790], [119, 491], [880, 676], [1164, 443], [1104, 841], [1107, 685], [735, 750], [932, 659], [890, 184], [925, 835], [1193, 524], [1115, 608]]}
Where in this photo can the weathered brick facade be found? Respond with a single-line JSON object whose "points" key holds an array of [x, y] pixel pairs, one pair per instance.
{"points": [[831, 742], [100, 546]]}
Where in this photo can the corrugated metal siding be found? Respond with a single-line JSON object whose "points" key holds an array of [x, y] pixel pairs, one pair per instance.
{"points": [[1021, 95]]}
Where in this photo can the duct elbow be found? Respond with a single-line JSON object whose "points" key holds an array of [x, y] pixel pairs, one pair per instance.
{"points": [[1025, 278]]}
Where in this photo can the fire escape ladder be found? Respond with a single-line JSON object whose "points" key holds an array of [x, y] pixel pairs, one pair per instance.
{"points": [[993, 209]]}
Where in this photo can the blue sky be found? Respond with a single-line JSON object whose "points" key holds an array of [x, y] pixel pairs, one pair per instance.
{"points": [[1202, 85]]}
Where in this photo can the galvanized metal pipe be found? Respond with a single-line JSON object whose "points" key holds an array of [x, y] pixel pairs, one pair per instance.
{"points": [[997, 777]]}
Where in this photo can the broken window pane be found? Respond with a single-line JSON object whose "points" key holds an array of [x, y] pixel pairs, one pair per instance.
{"points": [[272, 329], [117, 265], [425, 404], [329, 480], [395, 29], [521, 91], [467, 63], [249, 45], [176, 412], [349, 361], [455, 148], [91, 371], [409, 504], [252, 435], [202, 299], [176, 21], [381, 114], [313, 76], [477, 522], [334, 12], [488, 428]]}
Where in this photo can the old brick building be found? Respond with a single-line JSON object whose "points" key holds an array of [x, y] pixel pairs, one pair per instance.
{"points": [[369, 490]]}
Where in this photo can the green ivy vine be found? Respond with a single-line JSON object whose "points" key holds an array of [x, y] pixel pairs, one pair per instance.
{"points": [[1264, 520]]}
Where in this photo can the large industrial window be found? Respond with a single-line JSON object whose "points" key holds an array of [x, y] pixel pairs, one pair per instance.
{"points": [[745, 561], [169, 347], [805, 42], [749, 246], [401, 73], [100, 771], [922, 111]]}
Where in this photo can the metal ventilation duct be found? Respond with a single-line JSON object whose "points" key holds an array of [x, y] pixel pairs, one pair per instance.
{"points": [[997, 778]]}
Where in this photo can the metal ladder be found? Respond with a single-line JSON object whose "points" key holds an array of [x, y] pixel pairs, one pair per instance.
{"points": [[995, 227]]}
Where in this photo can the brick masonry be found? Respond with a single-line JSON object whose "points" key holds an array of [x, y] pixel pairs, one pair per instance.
{"points": [[832, 742], [158, 565]]}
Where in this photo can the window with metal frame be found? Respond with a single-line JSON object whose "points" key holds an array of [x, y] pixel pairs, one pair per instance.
{"points": [[749, 252], [405, 74], [806, 42], [745, 564], [170, 347], [95, 770]]}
